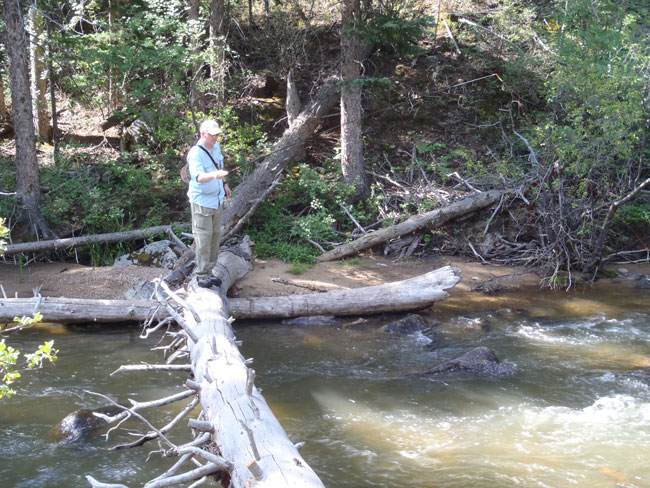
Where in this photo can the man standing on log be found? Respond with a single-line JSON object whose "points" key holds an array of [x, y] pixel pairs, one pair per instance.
{"points": [[207, 191]]}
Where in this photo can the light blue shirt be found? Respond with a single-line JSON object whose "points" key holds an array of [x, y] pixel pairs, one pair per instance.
{"points": [[210, 194]]}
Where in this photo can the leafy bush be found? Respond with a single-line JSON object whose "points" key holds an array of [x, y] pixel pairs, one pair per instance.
{"points": [[308, 207]]}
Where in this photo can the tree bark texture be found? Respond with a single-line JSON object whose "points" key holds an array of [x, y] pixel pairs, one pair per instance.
{"points": [[293, 100], [410, 294], [28, 182], [245, 430], [218, 47], [3, 104], [433, 218], [352, 54], [113, 84], [193, 17], [39, 73], [249, 192], [50, 72]]}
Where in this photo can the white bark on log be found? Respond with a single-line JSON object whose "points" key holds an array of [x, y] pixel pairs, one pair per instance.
{"points": [[436, 217], [77, 310], [293, 100], [409, 294], [54, 244], [421, 291], [245, 430]]}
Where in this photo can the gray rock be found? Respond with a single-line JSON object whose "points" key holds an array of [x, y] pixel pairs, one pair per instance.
{"points": [[643, 284], [159, 254], [480, 361], [314, 320], [142, 291], [78, 425], [407, 326]]}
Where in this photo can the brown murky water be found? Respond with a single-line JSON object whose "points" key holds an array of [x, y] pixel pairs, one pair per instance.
{"points": [[576, 412]]}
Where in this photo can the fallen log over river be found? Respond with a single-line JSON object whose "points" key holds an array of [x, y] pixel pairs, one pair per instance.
{"points": [[410, 294], [243, 427], [247, 445]]}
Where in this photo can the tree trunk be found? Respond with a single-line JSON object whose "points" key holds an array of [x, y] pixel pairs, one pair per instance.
{"points": [[50, 71], [3, 105], [218, 48], [193, 17], [39, 74], [28, 182], [293, 100], [113, 84], [249, 192], [410, 294], [352, 163], [429, 219]]}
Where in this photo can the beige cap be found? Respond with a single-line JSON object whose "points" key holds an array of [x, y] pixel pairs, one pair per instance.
{"points": [[210, 127]]}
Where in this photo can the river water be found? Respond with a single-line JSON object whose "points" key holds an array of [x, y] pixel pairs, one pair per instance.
{"points": [[576, 412]]}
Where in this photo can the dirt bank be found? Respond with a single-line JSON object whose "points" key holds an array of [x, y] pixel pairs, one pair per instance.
{"points": [[270, 277]]}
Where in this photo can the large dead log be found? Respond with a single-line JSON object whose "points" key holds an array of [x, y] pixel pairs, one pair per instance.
{"points": [[243, 427], [410, 294], [435, 217], [78, 310], [288, 147], [54, 244]]}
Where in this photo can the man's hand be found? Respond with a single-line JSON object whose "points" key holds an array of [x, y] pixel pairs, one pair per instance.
{"points": [[227, 188], [219, 174]]}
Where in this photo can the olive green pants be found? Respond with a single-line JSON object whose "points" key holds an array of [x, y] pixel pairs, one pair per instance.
{"points": [[206, 228]]}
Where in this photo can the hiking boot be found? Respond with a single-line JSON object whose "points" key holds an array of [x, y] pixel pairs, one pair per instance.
{"points": [[208, 282]]}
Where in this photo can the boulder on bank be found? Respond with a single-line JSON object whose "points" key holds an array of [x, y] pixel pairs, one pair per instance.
{"points": [[480, 361], [161, 254], [141, 291]]}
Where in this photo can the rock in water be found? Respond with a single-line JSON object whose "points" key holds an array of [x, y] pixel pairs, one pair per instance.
{"points": [[314, 320], [480, 361], [407, 326], [81, 423]]}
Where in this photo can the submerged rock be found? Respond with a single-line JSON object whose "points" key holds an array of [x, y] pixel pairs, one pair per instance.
{"points": [[409, 325], [481, 361], [81, 423], [643, 284], [314, 320]]}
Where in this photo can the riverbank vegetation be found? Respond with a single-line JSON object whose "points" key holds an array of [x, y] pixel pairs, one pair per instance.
{"points": [[546, 101], [11, 365]]}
